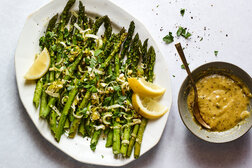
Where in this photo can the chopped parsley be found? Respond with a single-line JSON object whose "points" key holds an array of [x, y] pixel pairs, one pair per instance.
{"points": [[168, 38], [93, 89], [216, 53], [179, 31], [97, 52], [117, 88], [173, 76], [183, 66], [93, 62], [182, 12], [182, 32], [121, 99], [107, 101]]}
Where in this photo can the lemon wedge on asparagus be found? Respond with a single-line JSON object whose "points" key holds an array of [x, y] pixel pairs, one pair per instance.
{"points": [[39, 67], [147, 107], [145, 88]]}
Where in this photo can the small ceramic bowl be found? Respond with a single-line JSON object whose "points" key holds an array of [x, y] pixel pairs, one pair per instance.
{"points": [[188, 118]]}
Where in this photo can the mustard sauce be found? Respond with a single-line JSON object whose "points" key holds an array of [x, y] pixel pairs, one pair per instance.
{"points": [[223, 102]]}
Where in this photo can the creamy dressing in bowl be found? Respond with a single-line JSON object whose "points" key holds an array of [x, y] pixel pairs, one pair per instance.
{"points": [[223, 101]]}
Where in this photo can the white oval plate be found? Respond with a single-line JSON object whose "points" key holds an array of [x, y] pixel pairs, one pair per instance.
{"points": [[28, 45]]}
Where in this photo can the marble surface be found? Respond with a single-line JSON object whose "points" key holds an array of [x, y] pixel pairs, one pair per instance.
{"points": [[224, 25]]}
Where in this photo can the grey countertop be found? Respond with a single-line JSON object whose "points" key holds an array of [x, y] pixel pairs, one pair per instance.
{"points": [[224, 25]]}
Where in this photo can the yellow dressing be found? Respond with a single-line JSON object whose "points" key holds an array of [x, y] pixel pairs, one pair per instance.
{"points": [[223, 102]]}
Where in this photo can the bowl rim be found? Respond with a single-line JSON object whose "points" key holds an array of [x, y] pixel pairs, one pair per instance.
{"points": [[182, 89]]}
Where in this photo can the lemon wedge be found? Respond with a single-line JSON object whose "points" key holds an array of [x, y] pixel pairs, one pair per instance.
{"points": [[39, 67], [147, 107], [145, 88]]}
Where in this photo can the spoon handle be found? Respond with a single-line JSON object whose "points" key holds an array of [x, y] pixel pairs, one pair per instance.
{"points": [[196, 110], [182, 56]]}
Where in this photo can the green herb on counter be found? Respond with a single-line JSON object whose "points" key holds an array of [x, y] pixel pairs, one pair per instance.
{"points": [[182, 12], [168, 38], [216, 53], [182, 32]]}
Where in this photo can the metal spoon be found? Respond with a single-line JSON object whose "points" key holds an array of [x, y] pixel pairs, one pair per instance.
{"points": [[196, 110]]}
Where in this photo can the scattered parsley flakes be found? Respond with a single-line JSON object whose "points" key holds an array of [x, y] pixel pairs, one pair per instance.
{"points": [[179, 31], [157, 6], [183, 66], [187, 35], [182, 32], [182, 12], [173, 76], [216, 53], [201, 38], [102, 156], [168, 38]]}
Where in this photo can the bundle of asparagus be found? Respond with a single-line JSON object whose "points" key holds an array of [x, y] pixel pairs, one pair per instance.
{"points": [[85, 90]]}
